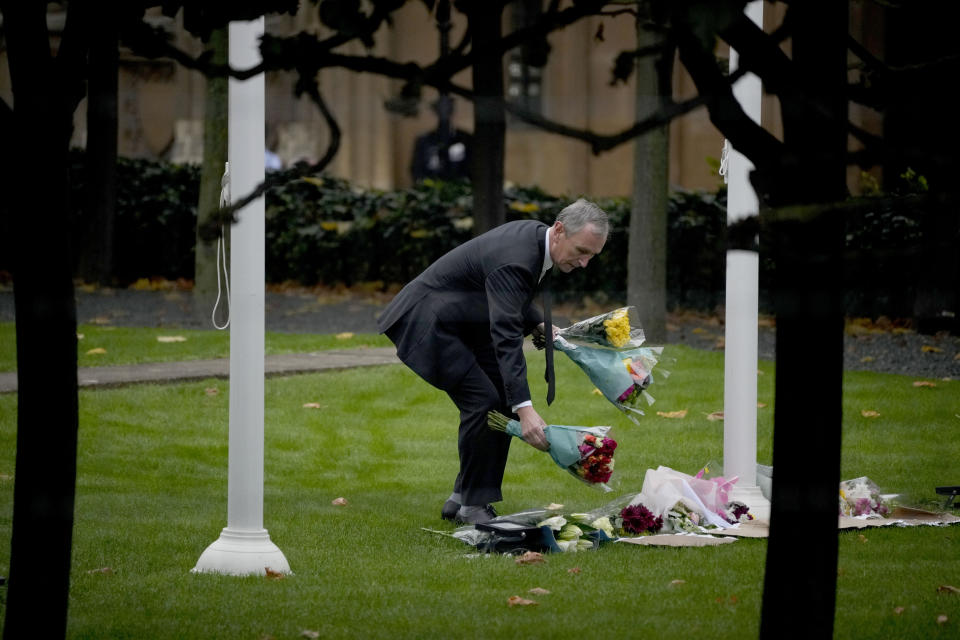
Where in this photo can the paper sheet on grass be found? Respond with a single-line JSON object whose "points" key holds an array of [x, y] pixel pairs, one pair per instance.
{"points": [[678, 540], [900, 516]]}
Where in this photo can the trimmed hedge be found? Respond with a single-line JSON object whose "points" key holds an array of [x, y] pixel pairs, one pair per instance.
{"points": [[323, 230]]}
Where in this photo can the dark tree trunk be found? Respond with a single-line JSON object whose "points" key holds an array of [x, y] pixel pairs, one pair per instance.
{"points": [[647, 245], [100, 189], [36, 191], [214, 158], [489, 124], [801, 568]]}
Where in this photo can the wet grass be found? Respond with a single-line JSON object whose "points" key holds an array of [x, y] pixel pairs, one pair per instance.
{"points": [[104, 345], [152, 486]]}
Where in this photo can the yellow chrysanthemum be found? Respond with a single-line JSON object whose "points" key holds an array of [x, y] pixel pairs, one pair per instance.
{"points": [[618, 328]]}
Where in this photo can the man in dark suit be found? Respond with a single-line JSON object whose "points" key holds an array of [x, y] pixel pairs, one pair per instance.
{"points": [[460, 326]]}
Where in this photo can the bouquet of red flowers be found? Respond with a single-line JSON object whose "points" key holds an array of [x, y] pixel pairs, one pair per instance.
{"points": [[586, 452]]}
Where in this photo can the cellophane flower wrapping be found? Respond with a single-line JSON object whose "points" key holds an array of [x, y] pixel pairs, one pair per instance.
{"points": [[585, 452], [860, 497], [670, 502], [622, 376], [617, 329]]}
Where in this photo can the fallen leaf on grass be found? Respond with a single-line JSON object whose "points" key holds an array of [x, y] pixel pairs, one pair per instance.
{"points": [[79, 336], [211, 391], [171, 339], [924, 383], [520, 602], [274, 575], [716, 415], [761, 405], [574, 570], [539, 591], [682, 413], [899, 610], [309, 633], [553, 506], [346, 335], [869, 413], [930, 349], [946, 588], [676, 583], [96, 352], [862, 538], [106, 570], [339, 502], [597, 392], [730, 600], [530, 557], [312, 405], [942, 619]]}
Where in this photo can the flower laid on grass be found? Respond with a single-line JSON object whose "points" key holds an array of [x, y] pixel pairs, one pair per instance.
{"points": [[860, 497], [568, 536], [680, 518], [677, 502], [736, 511], [611, 330], [639, 520], [586, 452]]}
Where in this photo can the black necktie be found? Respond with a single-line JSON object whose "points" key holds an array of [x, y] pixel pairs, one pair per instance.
{"points": [[548, 338]]}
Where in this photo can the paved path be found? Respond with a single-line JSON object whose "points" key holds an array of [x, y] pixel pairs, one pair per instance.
{"points": [[285, 364]]}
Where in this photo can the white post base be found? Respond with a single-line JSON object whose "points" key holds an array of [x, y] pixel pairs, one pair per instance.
{"points": [[754, 499], [242, 553]]}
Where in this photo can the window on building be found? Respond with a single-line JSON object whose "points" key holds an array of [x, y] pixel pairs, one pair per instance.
{"points": [[525, 63]]}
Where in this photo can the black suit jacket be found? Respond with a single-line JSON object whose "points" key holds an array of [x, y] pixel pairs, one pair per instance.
{"points": [[479, 294]]}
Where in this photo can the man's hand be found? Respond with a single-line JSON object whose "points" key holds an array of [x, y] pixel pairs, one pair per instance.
{"points": [[539, 339], [531, 425]]}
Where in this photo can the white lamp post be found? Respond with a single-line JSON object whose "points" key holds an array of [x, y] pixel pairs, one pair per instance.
{"points": [[244, 546], [740, 353]]}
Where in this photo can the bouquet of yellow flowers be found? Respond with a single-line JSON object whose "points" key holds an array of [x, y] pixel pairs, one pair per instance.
{"points": [[617, 329]]}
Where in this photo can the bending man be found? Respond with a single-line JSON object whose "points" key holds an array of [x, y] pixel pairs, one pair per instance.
{"points": [[460, 326]]}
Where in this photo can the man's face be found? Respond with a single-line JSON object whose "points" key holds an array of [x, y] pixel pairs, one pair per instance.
{"points": [[569, 251]]}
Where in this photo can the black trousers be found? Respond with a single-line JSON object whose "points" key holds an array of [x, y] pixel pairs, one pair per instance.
{"points": [[483, 451]]}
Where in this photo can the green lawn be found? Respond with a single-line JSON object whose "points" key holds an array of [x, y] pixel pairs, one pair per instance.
{"points": [[99, 345], [151, 497]]}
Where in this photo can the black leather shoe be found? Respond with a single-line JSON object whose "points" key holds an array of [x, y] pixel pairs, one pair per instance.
{"points": [[477, 516], [449, 510]]}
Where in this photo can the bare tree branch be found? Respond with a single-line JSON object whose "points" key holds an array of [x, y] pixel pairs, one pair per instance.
{"points": [[227, 215]]}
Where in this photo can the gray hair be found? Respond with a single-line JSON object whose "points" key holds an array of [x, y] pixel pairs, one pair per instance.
{"points": [[577, 215]]}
